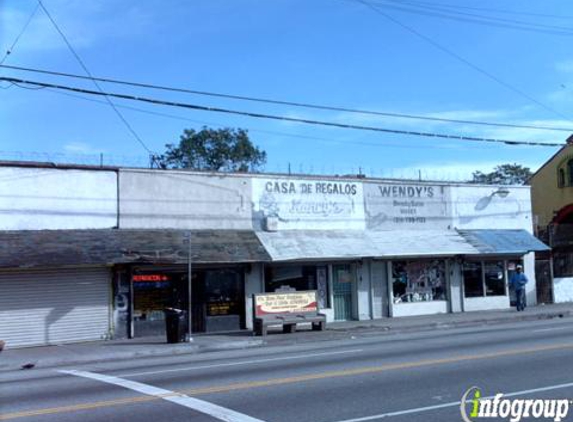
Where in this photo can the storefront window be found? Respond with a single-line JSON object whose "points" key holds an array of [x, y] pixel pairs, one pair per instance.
{"points": [[299, 277], [484, 278], [223, 293], [473, 279], [418, 281], [494, 279]]}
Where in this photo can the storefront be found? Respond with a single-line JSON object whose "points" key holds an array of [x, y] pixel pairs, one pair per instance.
{"points": [[486, 275], [156, 276]]}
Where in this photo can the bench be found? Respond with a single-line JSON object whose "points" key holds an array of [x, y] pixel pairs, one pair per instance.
{"points": [[287, 309]]}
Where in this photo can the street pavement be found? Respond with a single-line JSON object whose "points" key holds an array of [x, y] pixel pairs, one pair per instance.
{"points": [[115, 350], [407, 376]]}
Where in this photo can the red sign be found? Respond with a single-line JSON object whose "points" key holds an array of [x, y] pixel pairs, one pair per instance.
{"points": [[150, 277]]}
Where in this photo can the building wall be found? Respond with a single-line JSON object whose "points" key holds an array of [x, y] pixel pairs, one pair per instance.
{"points": [[419, 308], [486, 303], [547, 197], [53, 199], [406, 205], [476, 207], [151, 199], [563, 289], [308, 203]]}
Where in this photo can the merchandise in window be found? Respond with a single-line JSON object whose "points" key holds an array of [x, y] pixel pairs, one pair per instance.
{"points": [[418, 281]]}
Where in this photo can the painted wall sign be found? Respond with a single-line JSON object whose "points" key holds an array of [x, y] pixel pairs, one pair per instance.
{"points": [[285, 303], [406, 205], [310, 204]]}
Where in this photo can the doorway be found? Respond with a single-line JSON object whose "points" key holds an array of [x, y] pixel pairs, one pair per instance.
{"points": [[343, 284]]}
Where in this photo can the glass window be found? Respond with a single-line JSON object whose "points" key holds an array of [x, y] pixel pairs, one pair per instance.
{"points": [[561, 178], [473, 279], [570, 172], [494, 278], [419, 281], [299, 277]]}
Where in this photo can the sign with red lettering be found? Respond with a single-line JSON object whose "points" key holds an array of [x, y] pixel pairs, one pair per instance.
{"points": [[150, 277]]}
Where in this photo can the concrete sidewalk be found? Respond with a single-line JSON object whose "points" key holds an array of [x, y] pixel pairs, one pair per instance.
{"points": [[113, 350]]}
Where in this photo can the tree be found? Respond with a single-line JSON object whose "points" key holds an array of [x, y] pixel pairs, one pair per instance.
{"points": [[214, 149], [505, 174]]}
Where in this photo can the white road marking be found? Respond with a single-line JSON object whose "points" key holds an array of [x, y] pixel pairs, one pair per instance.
{"points": [[453, 404], [552, 329], [202, 406], [245, 362]]}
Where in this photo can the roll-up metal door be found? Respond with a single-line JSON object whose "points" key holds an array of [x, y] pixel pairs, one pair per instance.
{"points": [[53, 307]]}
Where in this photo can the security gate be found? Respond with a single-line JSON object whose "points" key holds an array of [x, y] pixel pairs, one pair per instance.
{"points": [[55, 306], [343, 285]]}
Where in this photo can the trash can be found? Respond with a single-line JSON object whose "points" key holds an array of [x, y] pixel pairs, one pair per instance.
{"points": [[175, 325]]}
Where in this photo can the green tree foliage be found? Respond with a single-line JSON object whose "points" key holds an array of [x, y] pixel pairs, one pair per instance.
{"points": [[505, 174], [214, 149]]}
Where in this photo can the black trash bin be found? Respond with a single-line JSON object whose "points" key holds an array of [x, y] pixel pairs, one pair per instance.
{"points": [[175, 325]]}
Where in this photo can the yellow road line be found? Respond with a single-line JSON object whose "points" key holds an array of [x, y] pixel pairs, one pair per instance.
{"points": [[282, 381]]}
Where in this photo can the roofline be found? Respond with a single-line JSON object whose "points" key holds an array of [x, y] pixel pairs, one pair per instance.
{"points": [[343, 177]]}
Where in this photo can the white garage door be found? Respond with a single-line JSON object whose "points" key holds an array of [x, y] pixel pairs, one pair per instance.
{"points": [[59, 306]]}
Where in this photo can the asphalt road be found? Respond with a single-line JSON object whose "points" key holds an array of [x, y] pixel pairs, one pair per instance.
{"points": [[409, 377]]}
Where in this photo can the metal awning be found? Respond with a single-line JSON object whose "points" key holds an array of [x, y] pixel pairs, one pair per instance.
{"points": [[48, 248], [503, 242], [354, 244]]}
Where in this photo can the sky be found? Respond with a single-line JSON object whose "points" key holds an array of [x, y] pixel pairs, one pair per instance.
{"points": [[495, 61]]}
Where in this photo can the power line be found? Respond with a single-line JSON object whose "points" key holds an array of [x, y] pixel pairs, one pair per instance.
{"points": [[289, 103], [384, 144], [9, 51], [84, 67], [462, 59], [486, 9], [276, 117], [448, 13]]}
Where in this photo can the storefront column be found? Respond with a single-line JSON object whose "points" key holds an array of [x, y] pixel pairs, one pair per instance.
{"points": [[254, 283], [530, 287], [379, 282], [363, 296], [456, 291]]}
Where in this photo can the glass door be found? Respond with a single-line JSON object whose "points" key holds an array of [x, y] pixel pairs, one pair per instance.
{"points": [[343, 285]]}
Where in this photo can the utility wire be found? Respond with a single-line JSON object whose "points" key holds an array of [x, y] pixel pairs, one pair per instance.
{"points": [[437, 11], [384, 144], [289, 103], [485, 9], [9, 51], [90, 76], [276, 117], [463, 60]]}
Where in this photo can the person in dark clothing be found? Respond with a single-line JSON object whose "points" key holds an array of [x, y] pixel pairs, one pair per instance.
{"points": [[518, 281]]}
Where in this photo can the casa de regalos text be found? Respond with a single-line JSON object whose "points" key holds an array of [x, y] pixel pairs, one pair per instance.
{"points": [[328, 188]]}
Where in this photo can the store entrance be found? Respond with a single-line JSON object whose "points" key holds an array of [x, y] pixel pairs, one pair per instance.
{"points": [[152, 293], [218, 300]]}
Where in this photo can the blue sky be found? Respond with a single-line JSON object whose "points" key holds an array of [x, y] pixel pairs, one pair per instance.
{"points": [[334, 52]]}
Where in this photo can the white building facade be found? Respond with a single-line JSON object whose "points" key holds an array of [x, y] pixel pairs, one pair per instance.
{"points": [[206, 242]]}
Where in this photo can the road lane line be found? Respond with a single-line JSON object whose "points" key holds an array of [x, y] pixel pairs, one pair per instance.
{"points": [[541, 330], [213, 410], [247, 362], [291, 380], [454, 404]]}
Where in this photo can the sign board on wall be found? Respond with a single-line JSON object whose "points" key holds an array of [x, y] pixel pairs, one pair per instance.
{"points": [[285, 303], [309, 204], [406, 206]]}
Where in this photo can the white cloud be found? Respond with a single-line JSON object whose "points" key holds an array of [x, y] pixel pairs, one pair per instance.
{"points": [[84, 24], [564, 66], [81, 148]]}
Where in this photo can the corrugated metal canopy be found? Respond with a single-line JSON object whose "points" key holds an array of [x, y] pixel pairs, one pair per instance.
{"points": [[503, 242], [354, 244], [45, 248]]}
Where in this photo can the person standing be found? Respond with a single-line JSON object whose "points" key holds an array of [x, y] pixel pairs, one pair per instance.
{"points": [[518, 281]]}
